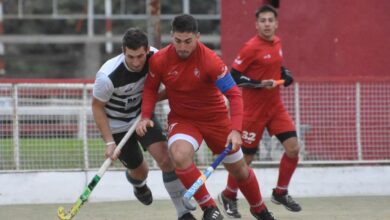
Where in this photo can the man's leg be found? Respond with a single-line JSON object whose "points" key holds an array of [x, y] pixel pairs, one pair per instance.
{"points": [[287, 166], [137, 177], [174, 187], [228, 197], [137, 168], [182, 152], [247, 183]]}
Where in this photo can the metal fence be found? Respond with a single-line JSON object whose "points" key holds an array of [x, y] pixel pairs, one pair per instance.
{"points": [[50, 126]]}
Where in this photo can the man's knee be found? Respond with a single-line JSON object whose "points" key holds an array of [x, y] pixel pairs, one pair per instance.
{"points": [[182, 153], [239, 170], [166, 164], [140, 172], [291, 147]]}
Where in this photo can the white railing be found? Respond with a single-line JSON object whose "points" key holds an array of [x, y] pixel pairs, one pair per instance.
{"points": [[50, 126]]}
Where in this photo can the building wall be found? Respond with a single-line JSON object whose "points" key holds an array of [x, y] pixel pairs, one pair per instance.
{"points": [[322, 39]]}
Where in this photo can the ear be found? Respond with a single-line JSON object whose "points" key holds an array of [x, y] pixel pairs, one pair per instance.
{"points": [[197, 35]]}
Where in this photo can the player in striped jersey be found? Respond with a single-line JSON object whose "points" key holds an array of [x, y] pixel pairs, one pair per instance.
{"points": [[117, 98]]}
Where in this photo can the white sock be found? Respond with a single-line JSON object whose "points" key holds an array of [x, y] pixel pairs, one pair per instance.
{"points": [[176, 191]]}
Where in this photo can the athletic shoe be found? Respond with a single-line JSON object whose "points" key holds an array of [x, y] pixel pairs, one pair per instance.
{"points": [[264, 215], [229, 206], [286, 200], [187, 216], [212, 213], [143, 194]]}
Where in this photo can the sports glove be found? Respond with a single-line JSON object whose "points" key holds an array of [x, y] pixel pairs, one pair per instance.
{"points": [[243, 81], [287, 76]]}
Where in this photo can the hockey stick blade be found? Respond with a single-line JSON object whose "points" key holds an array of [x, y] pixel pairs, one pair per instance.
{"points": [[88, 190]]}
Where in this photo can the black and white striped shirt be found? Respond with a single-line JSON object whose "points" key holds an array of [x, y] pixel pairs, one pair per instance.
{"points": [[121, 89]]}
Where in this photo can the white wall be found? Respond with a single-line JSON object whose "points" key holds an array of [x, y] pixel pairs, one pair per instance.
{"points": [[65, 187]]}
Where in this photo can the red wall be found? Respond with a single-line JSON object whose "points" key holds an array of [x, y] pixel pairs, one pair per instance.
{"points": [[322, 39]]}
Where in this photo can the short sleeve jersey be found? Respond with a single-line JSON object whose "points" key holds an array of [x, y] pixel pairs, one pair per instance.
{"points": [[259, 59], [190, 83], [121, 90]]}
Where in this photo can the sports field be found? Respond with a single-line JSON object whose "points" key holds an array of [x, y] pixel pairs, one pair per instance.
{"points": [[327, 208]]}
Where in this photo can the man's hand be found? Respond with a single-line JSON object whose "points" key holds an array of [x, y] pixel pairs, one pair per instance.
{"points": [[110, 151], [235, 139], [143, 125]]}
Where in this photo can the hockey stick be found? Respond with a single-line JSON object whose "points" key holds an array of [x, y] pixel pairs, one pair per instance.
{"points": [[203, 177], [260, 85], [263, 85], [95, 180]]}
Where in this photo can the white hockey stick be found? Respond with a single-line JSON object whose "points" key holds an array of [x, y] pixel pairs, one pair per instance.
{"points": [[95, 180]]}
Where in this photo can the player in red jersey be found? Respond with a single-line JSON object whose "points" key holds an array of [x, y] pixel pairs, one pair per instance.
{"points": [[260, 61], [196, 79]]}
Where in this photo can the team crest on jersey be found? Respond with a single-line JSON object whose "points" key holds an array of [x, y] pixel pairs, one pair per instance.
{"points": [[238, 60], [196, 72], [224, 70], [267, 56], [173, 73], [170, 128]]}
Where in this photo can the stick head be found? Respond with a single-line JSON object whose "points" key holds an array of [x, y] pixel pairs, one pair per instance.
{"points": [[188, 204], [61, 214]]}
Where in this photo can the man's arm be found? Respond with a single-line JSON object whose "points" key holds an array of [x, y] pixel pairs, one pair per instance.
{"points": [[149, 98], [246, 82], [162, 93], [102, 123], [229, 88]]}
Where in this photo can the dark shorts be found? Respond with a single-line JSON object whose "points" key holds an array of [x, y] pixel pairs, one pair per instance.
{"points": [[131, 155]]}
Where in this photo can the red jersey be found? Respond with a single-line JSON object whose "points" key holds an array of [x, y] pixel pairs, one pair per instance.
{"points": [[190, 85], [260, 59]]}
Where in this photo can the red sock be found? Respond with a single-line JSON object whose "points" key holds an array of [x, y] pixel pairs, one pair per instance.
{"points": [[286, 169], [231, 188], [251, 190], [188, 176]]}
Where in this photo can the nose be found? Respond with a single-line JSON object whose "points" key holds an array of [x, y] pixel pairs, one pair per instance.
{"points": [[182, 46], [136, 63]]}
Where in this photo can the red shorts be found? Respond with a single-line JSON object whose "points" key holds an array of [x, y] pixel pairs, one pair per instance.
{"points": [[214, 133], [277, 122]]}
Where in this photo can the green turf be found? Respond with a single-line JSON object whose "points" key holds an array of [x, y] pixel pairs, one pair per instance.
{"points": [[56, 153]]}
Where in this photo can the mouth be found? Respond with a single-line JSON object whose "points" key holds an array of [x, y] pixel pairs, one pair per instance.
{"points": [[182, 53]]}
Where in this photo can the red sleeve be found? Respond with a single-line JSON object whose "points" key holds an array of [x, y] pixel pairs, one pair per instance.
{"points": [[213, 65], [150, 93], [244, 59], [236, 107]]}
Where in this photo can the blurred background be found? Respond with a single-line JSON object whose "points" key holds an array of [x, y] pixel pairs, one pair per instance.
{"points": [[50, 51], [72, 38]]}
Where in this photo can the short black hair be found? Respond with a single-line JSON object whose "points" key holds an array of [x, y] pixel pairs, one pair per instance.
{"points": [[266, 8], [134, 38], [184, 23]]}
